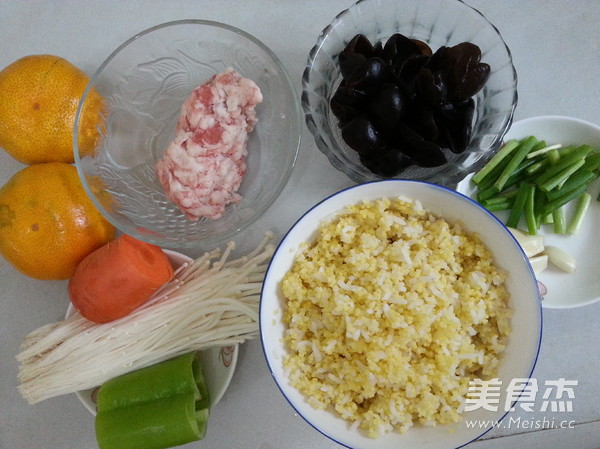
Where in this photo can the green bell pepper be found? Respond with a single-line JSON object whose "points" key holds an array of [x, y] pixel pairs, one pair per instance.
{"points": [[157, 407]]}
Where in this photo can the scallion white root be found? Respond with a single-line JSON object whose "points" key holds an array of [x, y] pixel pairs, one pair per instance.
{"points": [[211, 302]]}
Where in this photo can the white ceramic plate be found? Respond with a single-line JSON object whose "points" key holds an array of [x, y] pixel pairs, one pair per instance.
{"points": [[522, 348], [582, 287], [218, 364]]}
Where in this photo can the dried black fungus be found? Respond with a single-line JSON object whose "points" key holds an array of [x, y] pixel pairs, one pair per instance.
{"points": [[398, 48], [388, 106], [368, 76], [360, 44], [423, 121], [423, 47], [361, 135], [454, 121], [358, 50], [425, 153], [387, 163], [406, 74], [402, 104], [464, 73]]}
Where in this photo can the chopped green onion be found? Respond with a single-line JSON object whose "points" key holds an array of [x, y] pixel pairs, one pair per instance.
{"points": [[559, 221], [592, 162], [509, 194], [530, 218], [492, 175], [561, 176], [525, 164], [498, 202], [577, 179], [566, 150], [547, 219], [498, 206], [499, 199], [535, 153], [533, 179], [518, 206], [495, 160], [486, 194], [539, 202], [551, 206], [553, 157], [579, 154], [537, 166], [515, 178], [583, 204], [522, 150]]}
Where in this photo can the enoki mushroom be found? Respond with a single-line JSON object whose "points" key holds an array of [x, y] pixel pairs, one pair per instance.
{"points": [[210, 302]]}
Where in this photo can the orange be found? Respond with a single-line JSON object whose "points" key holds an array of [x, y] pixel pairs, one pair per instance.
{"points": [[39, 97], [48, 224]]}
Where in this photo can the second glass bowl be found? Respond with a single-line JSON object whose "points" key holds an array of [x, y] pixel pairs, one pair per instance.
{"points": [[438, 23]]}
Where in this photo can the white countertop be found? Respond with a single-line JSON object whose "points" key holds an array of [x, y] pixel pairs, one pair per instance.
{"points": [[556, 51]]}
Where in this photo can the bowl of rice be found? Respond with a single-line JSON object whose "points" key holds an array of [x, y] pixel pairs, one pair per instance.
{"points": [[387, 310]]}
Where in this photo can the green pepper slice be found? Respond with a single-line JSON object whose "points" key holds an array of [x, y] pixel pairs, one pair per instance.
{"points": [[157, 407]]}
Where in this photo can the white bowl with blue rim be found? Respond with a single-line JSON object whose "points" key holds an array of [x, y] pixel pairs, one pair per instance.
{"points": [[518, 361]]}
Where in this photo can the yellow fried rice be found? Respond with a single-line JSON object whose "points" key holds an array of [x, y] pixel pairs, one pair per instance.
{"points": [[390, 313]]}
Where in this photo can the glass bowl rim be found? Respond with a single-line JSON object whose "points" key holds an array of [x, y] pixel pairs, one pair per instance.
{"points": [[295, 140]]}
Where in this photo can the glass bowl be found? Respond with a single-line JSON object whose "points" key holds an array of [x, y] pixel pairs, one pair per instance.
{"points": [[522, 345], [144, 83], [438, 23]]}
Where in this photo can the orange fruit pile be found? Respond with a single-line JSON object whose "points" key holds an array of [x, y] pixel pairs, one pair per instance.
{"points": [[48, 224], [39, 96]]}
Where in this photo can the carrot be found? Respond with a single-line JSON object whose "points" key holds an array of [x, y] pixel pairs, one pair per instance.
{"points": [[117, 278]]}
